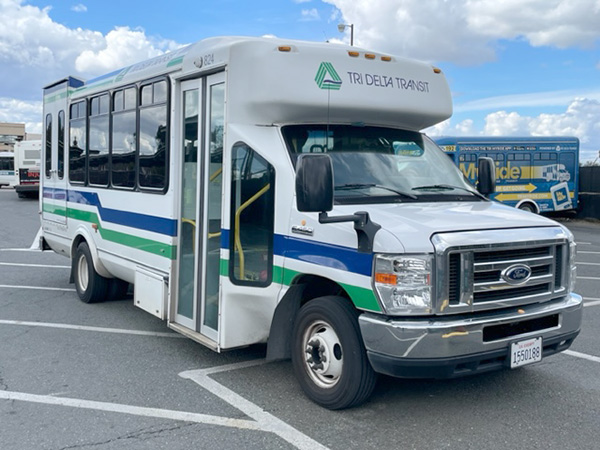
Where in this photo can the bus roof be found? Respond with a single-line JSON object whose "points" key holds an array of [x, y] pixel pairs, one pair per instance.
{"points": [[274, 81]]}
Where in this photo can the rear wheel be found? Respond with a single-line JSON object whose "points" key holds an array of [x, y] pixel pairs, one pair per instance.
{"points": [[328, 354], [527, 207], [91, 286], [117, 289]]}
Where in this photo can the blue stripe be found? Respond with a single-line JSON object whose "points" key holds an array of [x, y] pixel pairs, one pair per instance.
{"points": [[155, 224], [319, 253]]}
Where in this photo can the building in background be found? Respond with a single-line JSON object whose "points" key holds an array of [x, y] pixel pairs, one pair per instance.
{"points": [[11, 133]]}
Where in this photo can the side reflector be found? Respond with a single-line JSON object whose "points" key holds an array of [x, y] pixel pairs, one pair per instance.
{"points": [[285, 48]]}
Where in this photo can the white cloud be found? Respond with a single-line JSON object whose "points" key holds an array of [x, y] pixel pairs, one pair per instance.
{"points": [[467, 31], [580, 119], [122, 46], [310, 15], [79, 8], [18, 111], [35, 50]]}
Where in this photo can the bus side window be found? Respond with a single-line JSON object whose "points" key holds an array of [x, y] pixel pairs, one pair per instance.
{"points": [[77, 142], [48, 163], [252, 217], [61, 144]]}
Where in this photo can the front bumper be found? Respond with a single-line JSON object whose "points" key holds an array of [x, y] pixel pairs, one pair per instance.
{"points": [[452, 346]]}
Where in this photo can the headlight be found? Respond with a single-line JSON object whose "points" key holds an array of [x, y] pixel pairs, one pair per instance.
{"points": [[404, 283]]}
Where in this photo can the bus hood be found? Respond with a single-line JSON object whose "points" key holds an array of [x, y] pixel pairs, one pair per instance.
{"points": [[409, 227]]}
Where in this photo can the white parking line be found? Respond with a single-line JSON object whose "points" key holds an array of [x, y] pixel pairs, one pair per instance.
{"points": [[34, 265], [38, 288], [587, 264], [582, 356], [587, 253], [66, 326], [132, 410], [589, 278], [266, 421], [591, 302]]}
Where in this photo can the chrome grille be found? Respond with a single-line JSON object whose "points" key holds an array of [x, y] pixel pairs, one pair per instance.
{"points": [[470, 267]]}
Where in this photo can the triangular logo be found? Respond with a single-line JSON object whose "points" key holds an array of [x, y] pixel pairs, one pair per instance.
{"points": [[327, 77]]}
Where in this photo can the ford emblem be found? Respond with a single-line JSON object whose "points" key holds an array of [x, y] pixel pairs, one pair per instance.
{"points": [[516, 274]]}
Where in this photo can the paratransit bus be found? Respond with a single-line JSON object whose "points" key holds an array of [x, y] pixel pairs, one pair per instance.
{"points": [[259, 190], [536, 174]]}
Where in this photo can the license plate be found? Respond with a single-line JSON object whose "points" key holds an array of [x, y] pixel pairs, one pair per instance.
{"points": [[525, 352]]}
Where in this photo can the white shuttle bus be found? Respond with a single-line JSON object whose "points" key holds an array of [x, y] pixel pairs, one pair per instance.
{"points": [[27, 168], [7, 169], [280, 192]]}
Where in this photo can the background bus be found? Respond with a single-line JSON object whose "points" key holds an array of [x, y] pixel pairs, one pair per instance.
{"points": [[27, 168], [537, 174], [7, 169]]}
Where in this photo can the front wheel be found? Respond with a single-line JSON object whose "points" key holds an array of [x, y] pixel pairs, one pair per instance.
{"points": [[90, 285], [328, 354]]}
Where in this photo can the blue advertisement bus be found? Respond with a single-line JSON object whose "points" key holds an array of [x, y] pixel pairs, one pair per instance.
{"points": [[537, 174]]}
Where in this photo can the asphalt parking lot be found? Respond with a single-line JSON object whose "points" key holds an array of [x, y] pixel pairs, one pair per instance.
{"points": [[110, 376]]}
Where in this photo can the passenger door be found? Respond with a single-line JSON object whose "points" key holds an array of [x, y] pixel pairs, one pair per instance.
{"points": [[202, 108]]}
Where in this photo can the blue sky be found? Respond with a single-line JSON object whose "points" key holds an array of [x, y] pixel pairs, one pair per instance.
{"points": [[515, 67]]}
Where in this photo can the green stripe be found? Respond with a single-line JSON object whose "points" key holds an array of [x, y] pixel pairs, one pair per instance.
{"points": [[175, 61], [128, 240], [361, 297]]}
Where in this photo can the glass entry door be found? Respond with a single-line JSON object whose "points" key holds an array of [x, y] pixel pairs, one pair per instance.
{"points": [[202, 110]]}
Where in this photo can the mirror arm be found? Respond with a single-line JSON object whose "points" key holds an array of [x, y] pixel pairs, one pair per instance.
{"points": [[365, 228]]}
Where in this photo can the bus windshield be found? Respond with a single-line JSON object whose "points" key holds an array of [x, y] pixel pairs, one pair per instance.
{"points": [[375, 164]]}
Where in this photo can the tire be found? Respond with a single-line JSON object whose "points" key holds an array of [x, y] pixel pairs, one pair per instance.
{"points": [[117, 289], [527, 207], [91, 287], [328, 354]]}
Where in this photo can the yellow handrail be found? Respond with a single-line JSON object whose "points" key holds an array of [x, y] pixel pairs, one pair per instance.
{"points": [[238, 213]]}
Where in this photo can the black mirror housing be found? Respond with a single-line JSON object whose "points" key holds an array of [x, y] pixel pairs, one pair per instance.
{"points": [[314, 183], [486, 176]]}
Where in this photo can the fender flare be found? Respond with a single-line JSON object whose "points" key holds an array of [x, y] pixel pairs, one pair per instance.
{"points": [[83, 234]]}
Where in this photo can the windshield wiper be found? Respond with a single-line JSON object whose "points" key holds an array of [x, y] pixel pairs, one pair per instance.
{"points": [[447, 187], [350, 186]]}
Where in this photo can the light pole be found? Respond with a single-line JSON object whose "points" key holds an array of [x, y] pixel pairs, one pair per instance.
{"points": [[343, 26]]}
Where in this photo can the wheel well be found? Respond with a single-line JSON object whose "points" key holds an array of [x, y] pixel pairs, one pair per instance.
{"points": [[303, 289], [315, 286]]}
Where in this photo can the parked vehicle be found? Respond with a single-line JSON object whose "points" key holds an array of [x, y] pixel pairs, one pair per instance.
{"points": [[536, 174], [27, 168], [272, 191]]}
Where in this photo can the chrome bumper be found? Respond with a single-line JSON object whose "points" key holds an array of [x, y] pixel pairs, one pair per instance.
{"points": [[441, 347]]}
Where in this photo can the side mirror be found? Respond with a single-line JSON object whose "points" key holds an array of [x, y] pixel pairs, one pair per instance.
{"points": [[314, 183], [486, 176]]}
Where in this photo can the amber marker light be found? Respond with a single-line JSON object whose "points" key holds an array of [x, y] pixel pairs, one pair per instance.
{"points": [[385, 278], [354, 54], [386, 58], [437, 70], [285, 48], [369, 56]]}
